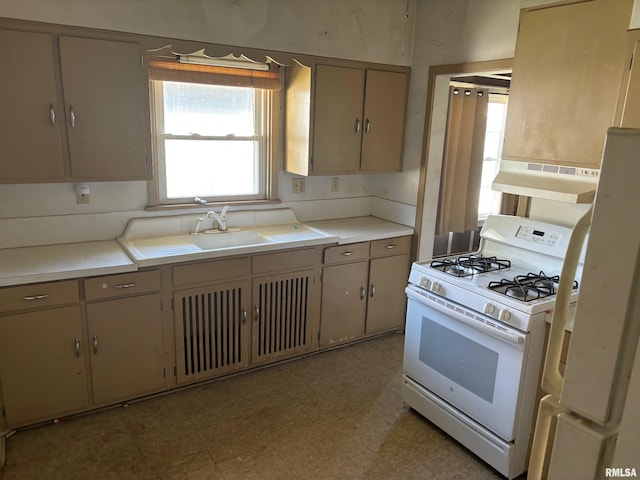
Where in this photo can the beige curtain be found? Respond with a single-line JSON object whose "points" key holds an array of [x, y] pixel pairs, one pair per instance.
{"points": [[462, 163]]}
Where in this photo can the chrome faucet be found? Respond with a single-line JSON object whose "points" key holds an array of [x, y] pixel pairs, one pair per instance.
{"points": [[220, 219]]}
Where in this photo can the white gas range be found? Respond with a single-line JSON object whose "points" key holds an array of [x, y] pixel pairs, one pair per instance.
{"points": [[474, 337]]}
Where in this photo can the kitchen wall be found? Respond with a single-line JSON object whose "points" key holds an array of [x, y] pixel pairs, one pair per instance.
{"points": [[419, 33], [369, 30]]}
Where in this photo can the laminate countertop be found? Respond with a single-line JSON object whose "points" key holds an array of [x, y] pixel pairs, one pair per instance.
{"points": [[57, 262], [361, 229], [26, 265]]}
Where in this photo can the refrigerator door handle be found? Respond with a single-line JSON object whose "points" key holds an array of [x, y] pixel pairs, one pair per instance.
{"points": [[552, 379]]}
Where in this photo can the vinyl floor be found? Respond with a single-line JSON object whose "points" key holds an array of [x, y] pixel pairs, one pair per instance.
{"points": [[334, 415]]}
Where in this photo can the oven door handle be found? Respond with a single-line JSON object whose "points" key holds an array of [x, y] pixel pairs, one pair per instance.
{"points": [[477, 323]]}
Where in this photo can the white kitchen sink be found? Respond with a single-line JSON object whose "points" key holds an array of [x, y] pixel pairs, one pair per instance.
{"points": [[167, 239], [230, 238]]}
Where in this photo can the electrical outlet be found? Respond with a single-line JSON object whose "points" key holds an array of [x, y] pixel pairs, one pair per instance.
{"points": [[297, 185], [82, 198], [335, 184], [587, 172]]}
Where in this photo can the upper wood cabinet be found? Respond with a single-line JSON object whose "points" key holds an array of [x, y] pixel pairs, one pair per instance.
{"points": [[628, 111], [107, 116], [344, 119], [568, 64], [32, 119], [73, 109]]}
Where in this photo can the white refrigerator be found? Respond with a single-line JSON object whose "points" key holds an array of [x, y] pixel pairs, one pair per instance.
{"points": [[588, 425]]}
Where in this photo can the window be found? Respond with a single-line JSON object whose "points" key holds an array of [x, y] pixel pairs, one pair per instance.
{"points": [[212, 136], [489, 202]]}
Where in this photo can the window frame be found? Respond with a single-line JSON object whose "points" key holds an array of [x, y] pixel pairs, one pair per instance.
{"points": [[268, 164]]}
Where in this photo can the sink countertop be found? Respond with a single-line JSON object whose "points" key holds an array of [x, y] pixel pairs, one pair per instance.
{"points": [[361, 229], [74, 260], [58, 262]]}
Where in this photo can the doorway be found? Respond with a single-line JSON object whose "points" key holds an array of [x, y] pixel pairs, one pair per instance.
{"points": [[434, 144]]}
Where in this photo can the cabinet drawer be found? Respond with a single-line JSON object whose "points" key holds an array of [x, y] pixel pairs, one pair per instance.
{"points": [[289, 260], [122, 284], [346, 253], [390, 246], [38, 295], [214, 271]]}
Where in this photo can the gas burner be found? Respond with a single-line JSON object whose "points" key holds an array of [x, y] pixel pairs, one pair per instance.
{"points": [[469, 265], [531, 286]]}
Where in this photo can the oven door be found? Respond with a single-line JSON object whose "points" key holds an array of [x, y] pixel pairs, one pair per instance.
{"points": [[473, 362]]}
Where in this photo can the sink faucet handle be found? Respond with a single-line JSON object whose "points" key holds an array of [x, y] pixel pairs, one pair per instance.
{"points": [[223, 213], [196, 226]]}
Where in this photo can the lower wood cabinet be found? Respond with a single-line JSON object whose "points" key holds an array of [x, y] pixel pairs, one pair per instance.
{"points": [[363, 289], [387, 301], [70, 346], [42, 367], [211, 330], [344, 302], [284, 320], [125, 348]]}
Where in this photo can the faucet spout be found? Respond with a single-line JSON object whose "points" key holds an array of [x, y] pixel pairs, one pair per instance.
{"points": [[220, 219]]}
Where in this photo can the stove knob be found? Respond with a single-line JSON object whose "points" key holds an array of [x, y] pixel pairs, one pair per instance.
{"points": [[489, 308], [504, 315], [424, 282], [435, 287]]}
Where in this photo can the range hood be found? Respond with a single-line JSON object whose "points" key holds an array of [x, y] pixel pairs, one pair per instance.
{"points": [[551, 182]]}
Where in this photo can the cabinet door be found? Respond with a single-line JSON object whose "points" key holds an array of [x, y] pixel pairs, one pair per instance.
{"points": [[384, 119], [567, 67], [344, 302], [337, 126], [211, 329], [285, 320], [32, 115], [387, 299], [42, 368], [125, 338], [631, 91], [107, 116]]}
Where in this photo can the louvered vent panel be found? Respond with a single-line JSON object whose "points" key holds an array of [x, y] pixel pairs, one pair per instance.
{"points": [[211, 337], [282, 315]]}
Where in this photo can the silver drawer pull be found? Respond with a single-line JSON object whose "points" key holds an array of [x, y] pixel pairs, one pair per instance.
{"points": [[125, 285], [72, 114], [244, 315], [346, 254], [257, 312], [77, 347], [52, 114], [362, 293], [36, 297], [95, 344], [390, 246], [373, 290]]}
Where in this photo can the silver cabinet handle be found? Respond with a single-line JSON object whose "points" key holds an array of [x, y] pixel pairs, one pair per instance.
{"points": [[95, 344], [390, 246], [244, 315], [357, 126], [73, 116], [36, 297], [125, 285], [77, 347], [348, 253], [367, 125], [373, 290], [257, 309], [52, 114], [361, 293]]}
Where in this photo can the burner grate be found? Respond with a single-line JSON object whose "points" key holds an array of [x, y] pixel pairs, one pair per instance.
{"points": [[469, 265], [529, 287]]}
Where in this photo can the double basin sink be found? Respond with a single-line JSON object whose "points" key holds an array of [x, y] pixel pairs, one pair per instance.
{"points": [[158, 240]]}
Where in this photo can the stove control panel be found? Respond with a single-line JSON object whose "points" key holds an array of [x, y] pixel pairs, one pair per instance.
{"points": [[535, 235]]}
